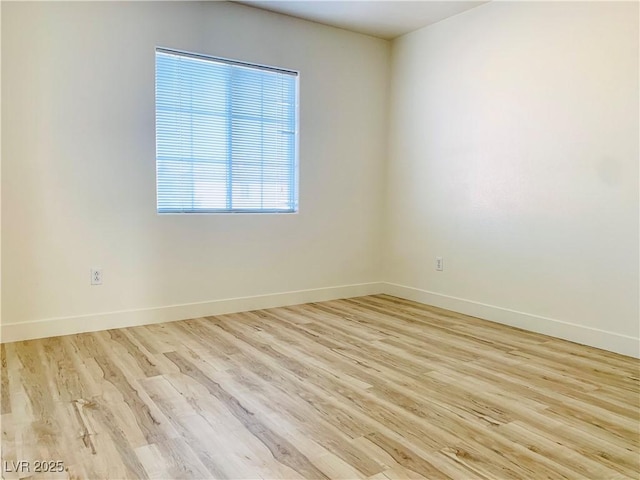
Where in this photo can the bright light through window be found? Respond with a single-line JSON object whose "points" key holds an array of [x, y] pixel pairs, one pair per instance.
{"points": [[226, 135]]}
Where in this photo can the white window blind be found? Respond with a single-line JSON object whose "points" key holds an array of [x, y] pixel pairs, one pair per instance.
{"points": [[226, 135]]}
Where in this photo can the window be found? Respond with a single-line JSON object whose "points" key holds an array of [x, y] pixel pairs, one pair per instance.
{"points": [[226, 135]]}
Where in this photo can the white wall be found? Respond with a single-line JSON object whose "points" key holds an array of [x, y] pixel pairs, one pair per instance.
{"points": [[78, 165], [514, 155]]}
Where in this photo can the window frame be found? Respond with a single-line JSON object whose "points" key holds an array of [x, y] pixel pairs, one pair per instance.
{"points": [[294, 170]]}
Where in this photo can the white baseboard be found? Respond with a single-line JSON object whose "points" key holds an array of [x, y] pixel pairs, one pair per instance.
{"points": [[613, 342], [53, 327]]}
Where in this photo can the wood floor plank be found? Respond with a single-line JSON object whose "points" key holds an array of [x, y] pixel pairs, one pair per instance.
{"points": [[144, 362], [5, 398], [327, 429], [173, 459], [616, 429], [581, 459], [372, 387], [405, 457], [282, 450]]}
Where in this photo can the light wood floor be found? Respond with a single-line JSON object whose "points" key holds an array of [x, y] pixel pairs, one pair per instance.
{"points": [[372, 387]]}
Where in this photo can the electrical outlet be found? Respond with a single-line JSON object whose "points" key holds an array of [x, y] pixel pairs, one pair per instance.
{"points": [[96, 276], [439, 264]]}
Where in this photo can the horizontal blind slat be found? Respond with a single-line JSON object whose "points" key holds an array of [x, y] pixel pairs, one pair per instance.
{"points": [[225, 136]]}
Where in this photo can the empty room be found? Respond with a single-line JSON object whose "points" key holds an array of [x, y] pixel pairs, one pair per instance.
{"points": [[320, 239]]}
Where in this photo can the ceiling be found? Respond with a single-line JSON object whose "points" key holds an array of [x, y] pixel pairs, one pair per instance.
{"points": [[384, 19]]}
